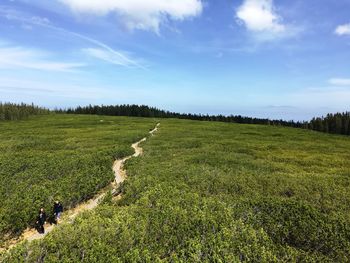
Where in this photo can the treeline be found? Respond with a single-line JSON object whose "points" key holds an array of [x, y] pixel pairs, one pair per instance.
{"points": [[12, 111], [338, 123], [146, 111]]}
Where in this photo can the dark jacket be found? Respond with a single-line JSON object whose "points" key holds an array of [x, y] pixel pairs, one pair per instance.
{"points": [[42, 218], [57, 208]]}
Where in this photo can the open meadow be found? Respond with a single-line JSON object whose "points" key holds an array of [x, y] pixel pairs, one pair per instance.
{"points": [[149, 131], [202, 192], [62, 157]]}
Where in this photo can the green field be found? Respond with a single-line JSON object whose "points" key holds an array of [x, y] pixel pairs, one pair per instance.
{"points": [[58, 157], [206, 192]]}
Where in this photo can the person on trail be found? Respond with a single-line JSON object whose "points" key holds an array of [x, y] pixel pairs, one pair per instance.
{"points": [[41, 221], [57, 210]]}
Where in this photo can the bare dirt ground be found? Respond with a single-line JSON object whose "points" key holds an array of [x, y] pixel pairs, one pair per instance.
{"points": [[31, 234]]}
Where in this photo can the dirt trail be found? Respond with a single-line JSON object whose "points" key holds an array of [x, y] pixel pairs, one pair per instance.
{"points": [[69, 216]]}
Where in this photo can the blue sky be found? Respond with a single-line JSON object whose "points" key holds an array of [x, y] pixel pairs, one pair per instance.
{"points": [[262, 58]]}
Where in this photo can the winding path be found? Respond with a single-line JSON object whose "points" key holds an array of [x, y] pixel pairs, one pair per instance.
{"points": [[120, 176]]}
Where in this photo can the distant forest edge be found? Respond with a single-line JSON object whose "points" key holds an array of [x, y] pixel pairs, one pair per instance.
{"points": [[12, 111], [338, 123]]}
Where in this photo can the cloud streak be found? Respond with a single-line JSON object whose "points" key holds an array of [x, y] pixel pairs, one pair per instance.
{"points": [[124, 60], [339, 82], [109, 56], [19, 57], [55, 89], [44, 22], [336, 97]]}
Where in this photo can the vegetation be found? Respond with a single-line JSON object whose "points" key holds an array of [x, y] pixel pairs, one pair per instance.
{"points": [[216, 192], [145, 111], [58, 157], [12, 111], [338, 123]]}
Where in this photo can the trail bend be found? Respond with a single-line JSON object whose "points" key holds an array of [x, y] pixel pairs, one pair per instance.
{"points": [[31, 234]]}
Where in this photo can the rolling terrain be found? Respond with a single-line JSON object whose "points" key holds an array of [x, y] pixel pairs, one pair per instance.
{"points": [[216, 192], [58, 157]]}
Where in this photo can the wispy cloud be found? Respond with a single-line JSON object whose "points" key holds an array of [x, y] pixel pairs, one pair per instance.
{"points": [[139, 14], [58, 92], [12, 14], [116, 58], [55, 89], [21, 57], [336, 95], [330, 96], [46, 23], [339, 82], [342, 30], [40, 20], [107, 49]]}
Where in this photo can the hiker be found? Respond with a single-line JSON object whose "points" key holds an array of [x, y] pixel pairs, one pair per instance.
{"points": [[41, 221], [57, 210]]}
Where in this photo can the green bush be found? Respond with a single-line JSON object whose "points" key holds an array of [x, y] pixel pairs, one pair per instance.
{"points": [[58, 157], [211, 192]]}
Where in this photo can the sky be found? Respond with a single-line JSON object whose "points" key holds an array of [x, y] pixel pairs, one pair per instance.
{"points": [[261, 58]]}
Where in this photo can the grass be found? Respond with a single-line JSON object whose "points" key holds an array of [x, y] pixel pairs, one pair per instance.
{"points": [[214, 192], [58, 157]]}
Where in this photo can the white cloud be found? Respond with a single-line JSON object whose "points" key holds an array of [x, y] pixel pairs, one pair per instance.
{"points": [[260, 16], [339, 82], [139, 14], [343, 30], [19, 57]]}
